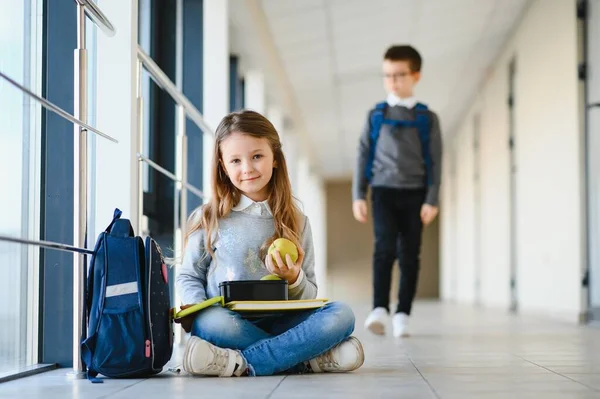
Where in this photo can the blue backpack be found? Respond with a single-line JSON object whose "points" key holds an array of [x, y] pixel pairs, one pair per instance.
{"points": [[421, 122], [127, 299]]}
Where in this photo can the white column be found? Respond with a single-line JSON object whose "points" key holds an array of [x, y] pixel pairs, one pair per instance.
{"points": [[255, 97], [216, 75], [290, 149], [319, 228], [275, 115], [311, 193], [116, 164], [288, 140]]}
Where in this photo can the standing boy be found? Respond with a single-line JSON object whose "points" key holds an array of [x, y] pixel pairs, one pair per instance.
{"points": [[399, 156]]}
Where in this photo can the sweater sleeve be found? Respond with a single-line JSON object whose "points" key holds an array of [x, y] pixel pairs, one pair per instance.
{"points": [[360, 184], [306, 285], [435, 148], [191, 281]]}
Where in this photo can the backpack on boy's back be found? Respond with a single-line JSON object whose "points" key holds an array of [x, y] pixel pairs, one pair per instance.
{"points": [[422, 122]]}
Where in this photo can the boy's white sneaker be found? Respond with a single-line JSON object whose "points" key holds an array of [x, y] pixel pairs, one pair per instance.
{"points": [[203, 358], [400, 325], [345, 356], [376, 320]]}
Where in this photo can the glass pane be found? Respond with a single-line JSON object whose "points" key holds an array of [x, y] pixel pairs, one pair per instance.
{"points": [[18, 43], [145, 42], [593, 152]]}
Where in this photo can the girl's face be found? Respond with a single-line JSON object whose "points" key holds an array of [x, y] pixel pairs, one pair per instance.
{"points": [[248, 162]]}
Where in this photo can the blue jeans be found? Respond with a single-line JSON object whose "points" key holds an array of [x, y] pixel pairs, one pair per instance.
{"points": [[273, 345]]}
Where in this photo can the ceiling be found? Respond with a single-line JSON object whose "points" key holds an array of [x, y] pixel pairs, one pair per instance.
{"points": [[330, 52]]}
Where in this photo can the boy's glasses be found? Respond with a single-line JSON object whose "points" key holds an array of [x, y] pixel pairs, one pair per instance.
{"points": [[394, 76]]}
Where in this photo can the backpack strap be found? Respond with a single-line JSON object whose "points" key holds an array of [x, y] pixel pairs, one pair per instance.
{"points": [[116, 216], [120, 227], [376, 120]]}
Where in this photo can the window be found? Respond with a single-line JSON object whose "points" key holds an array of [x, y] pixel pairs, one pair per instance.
{"points": [[20, 59]]}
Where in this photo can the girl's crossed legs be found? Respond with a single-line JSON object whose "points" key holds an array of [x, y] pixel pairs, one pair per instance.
{"points": [[286, 343]]}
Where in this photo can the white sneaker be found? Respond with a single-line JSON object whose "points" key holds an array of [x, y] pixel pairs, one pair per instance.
{"points": [[400, 325], [376, 321], [345, 356], [203, 358]]}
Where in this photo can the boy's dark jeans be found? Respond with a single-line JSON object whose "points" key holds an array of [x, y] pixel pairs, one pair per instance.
{"points": [[398, 227]]}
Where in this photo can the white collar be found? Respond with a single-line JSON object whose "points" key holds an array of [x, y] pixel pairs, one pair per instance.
{"points": [[408, 102], [246, 203]]}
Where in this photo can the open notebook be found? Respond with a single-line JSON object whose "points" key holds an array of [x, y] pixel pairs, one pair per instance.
{"points": [[254, 306], [277, 306]]}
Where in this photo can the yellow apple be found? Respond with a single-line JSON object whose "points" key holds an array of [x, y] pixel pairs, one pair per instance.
{"points": [[285, 247], [271, 277]]}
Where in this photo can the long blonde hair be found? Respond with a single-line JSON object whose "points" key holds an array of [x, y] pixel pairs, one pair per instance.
{"points": [[225, 195]]}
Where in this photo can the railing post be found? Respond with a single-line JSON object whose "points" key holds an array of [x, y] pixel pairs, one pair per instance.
{"points": [[184, 190], [80, 190], [140, 148], [181, 215]]}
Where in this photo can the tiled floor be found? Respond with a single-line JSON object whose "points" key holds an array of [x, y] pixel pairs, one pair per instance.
{"points": [[455, 352]]}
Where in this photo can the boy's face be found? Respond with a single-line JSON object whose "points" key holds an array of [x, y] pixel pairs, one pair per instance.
{"points": [[398, 78]]}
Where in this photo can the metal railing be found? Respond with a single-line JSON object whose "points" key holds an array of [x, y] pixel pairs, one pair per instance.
{"points": [[184, 108], [47, 244], [97, 16], [56, 109], [163, 81], [80, 180], [81, 127], [171, 176], [80, 148]]}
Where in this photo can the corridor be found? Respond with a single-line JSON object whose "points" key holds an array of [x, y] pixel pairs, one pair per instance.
{"points": [[455, 352], [117, 104]]}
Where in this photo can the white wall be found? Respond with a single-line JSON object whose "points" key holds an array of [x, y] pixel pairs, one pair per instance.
{"points": [[310, 190], [291, 152], [495, 197], [215, 76], [593, 150], [465, 255], [549, 173], [447, 221], [311, 193], [255, 91]]}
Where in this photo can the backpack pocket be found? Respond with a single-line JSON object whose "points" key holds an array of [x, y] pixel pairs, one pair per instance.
{"points": [[127, 347]]}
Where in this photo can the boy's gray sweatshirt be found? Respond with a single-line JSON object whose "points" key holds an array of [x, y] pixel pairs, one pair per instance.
{"points": [[239, 239], [398, 159]]}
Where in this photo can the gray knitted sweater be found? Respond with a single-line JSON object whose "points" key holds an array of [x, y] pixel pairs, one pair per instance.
{"points": [[399, 156], [239, 238]]}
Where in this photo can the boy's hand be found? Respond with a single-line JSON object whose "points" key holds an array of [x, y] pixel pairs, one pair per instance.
{"points": [[186, 322], [359, 209], [286, 270], [428, 213]]}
